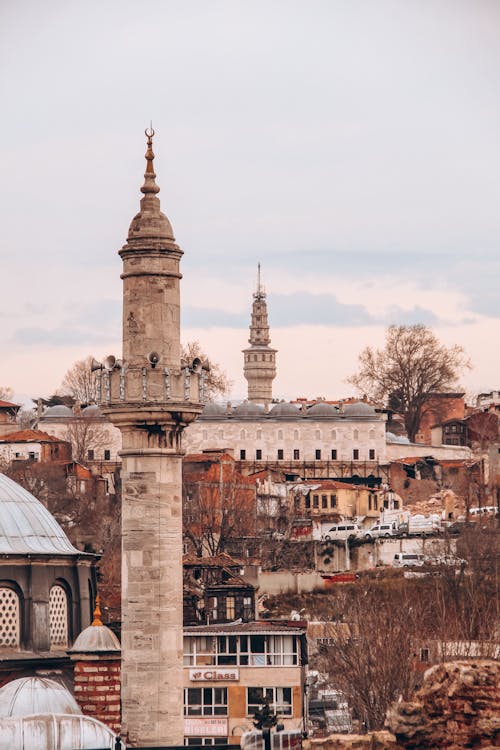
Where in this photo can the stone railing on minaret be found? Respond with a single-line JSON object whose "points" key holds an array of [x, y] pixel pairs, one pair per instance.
{"points": [[259, 366], [150, 395]]}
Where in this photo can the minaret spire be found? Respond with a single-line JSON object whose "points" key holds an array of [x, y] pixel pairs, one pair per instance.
{"points": [[150, 185], [259, 358]]}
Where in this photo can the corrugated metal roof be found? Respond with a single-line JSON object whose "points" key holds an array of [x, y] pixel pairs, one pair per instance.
{"points": [[26, 526], [242, 628]]}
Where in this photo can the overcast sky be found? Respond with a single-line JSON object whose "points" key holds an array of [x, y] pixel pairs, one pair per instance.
{"points": [[350, 146]]}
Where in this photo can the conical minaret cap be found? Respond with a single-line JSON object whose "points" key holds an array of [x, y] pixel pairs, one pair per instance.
{"points": [[150, 223]]}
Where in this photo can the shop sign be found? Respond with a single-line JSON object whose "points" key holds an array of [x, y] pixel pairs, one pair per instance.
{"points": [[206, 726], [207, 675]]}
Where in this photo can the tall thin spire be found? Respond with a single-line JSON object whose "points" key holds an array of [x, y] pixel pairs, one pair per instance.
{"points": [[261, 292]]}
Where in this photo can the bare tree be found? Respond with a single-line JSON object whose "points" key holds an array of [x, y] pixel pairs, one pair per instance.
{"points": [[81, 383], [482, 429], [218, 510], [408, 370], [84, 435], [218, 383], [370, 649], [6, 393]]}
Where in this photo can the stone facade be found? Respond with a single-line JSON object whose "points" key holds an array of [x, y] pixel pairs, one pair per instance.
{"points": [[151, 397], [287, 433]]}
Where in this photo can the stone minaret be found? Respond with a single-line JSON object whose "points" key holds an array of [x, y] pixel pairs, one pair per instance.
{"points": [[151, 396], [260, 359]]}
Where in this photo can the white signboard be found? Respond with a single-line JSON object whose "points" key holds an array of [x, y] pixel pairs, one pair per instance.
{"points": [[209, 675], [206, 726]]}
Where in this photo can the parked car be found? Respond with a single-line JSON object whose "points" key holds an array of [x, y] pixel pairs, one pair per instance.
{"points": [[457, 527], [381, 530], [342, 531], [408, 560]]}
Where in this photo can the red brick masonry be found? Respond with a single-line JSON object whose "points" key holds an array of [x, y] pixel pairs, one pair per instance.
{"points": [[97, 690]]}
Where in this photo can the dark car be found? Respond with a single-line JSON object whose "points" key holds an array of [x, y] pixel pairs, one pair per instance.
{"points": [[457, 527]]}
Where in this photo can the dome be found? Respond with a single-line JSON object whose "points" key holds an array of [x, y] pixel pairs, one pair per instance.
{"points": [[57, 412], [400, 439], [247, 409], [212, 411], [96, 638], [359, 409], [322, 409], [285, 410], [92, 412], [36, 695], [26, 526]]}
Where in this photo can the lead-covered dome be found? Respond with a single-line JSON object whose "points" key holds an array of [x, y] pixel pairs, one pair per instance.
{"points": [[26, 526], [247, 409], [36, 695], [285, 409], [359, 409], [213, 411], [57, 412], [322, 409]]}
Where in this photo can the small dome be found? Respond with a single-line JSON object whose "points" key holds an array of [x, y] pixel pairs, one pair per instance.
{"points": [[247, 409], [359, 409], [57, 412], [96, 638], [213, 411], [92, 412], [322, 409], [150, 222], [400, 439], [26, 526], [36, 695], [285, 409]]}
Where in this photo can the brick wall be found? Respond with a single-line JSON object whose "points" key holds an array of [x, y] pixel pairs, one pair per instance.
{"points": [[97, 690]]}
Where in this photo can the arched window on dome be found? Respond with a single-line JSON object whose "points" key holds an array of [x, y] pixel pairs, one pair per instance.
{"points": [[318, 435], [10, 618], [334, 434], [372, 435], [280, 434], [355, 435], [58, 617], [296, 435], [243, 435]]}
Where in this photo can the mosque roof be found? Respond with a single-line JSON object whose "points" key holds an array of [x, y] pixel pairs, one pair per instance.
{"points": [[26, 526], [57, 412]]}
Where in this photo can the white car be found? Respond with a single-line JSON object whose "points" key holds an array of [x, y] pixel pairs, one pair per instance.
{"points": [[342, 531]]}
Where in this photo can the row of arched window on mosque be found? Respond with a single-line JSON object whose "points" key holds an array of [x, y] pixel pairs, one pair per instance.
{"points": [[10, 617]]}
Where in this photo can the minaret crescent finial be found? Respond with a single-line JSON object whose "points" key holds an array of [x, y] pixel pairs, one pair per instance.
{"points": [[150, 185]]}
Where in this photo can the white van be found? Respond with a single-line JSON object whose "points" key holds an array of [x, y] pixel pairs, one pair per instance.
{"points": [[407, 560], [342, 531], [381, 529]]}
